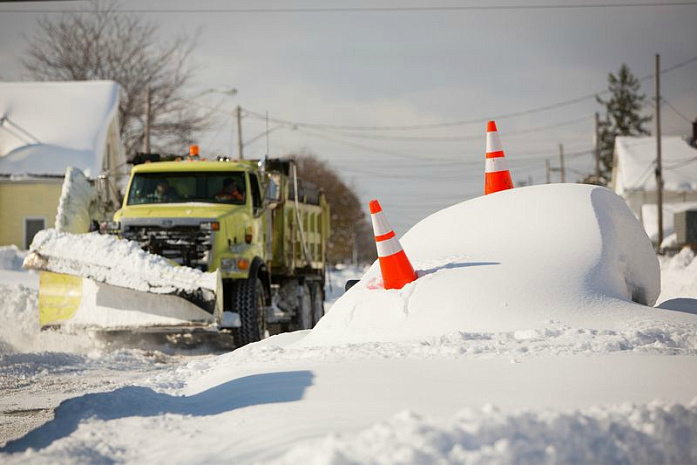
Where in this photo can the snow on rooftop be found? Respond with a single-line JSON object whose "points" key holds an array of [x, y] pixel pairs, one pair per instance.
{"points": [[635, 157], [48, 126]]}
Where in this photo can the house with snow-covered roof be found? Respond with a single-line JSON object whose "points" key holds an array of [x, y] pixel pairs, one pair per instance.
{"points": [[634, 178], [46, 127]]}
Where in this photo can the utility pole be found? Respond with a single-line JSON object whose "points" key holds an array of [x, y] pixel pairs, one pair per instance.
{"points": [[146, 126], [354, 249], [239, 133], [597, 148], [267, 134], [561, 161], [547, 170], [659, 163]]}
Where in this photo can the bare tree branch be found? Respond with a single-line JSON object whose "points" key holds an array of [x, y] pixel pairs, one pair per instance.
{"points": [[103, 43]]}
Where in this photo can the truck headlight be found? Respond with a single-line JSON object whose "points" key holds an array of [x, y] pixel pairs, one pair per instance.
{"points": [[210, 226], [228, 264], [110, 227]]}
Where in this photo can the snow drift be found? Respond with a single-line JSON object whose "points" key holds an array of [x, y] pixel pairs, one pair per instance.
{"points": [[77, 196], [569, 254]]}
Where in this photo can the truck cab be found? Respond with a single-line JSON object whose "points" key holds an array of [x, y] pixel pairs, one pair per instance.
{"points": [[243, 219]]}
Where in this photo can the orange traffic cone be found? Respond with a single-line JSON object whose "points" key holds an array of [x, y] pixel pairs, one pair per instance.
{"points": [[394, 264], [497, 176]]}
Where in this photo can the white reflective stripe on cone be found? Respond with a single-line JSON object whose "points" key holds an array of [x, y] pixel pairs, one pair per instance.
{"points": [[380, 224], [388, 247], [493, 143], [495, 164]]}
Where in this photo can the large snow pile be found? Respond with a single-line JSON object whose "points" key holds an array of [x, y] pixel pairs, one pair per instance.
{"points": [[679, 279], [77, 196], [11, 258], [649, 218], [521, 342], [571, 255]]}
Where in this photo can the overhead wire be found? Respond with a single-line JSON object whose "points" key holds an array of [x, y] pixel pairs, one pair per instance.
{"points": [[446, 162], [670, 105], [532, 130], [502, 116], [376, 9]]}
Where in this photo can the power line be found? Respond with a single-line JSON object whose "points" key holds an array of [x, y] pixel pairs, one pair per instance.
{"points": [[418, 157], [552, 106], [436, 125], [449, 138], [675, 110], [397, 9]]}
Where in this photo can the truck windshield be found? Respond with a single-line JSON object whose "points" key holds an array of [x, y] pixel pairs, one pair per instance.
{"points": [[211, 187]]}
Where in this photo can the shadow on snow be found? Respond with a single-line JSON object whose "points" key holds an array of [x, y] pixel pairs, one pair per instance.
{"points": [[137, 401], [450, 266], [681, 304]]}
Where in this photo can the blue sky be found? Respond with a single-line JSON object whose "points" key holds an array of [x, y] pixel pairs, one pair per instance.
{"points": [[412, 68]]}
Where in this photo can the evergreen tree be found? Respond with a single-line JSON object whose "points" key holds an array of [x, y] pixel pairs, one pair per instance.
{"points": [[622, 115]]}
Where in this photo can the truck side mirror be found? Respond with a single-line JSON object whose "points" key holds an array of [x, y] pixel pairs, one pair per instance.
{"points": [[272, 195]]}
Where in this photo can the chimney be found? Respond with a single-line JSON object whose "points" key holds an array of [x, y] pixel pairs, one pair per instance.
{"points": [[694, 133]]}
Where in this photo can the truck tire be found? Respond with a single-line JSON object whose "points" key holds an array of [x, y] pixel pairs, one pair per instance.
{"points": [[250, 300], [317, 294], [304, 307]]}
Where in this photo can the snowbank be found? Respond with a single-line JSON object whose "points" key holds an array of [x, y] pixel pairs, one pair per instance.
{"points": [[636, 434], [11, 258], [679, 290], [569, 254], [525, 301], [649, 217], [77, 196]]}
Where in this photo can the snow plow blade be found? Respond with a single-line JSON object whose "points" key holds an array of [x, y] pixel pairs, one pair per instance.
{"points": [[100, 282]]}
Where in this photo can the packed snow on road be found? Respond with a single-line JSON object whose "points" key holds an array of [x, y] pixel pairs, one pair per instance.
{"points": [[542, 328]]}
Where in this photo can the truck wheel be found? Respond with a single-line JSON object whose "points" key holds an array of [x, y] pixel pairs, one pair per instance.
{"points": [[317, 303], [250, 304], [304, 307]]}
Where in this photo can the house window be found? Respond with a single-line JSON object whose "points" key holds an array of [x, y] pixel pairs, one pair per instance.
{"points": [[31, 227]]}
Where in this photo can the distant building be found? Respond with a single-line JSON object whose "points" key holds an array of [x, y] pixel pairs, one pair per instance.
{"points": [[634, 178], [45, 127]]}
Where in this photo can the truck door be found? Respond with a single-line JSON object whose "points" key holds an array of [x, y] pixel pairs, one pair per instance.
{"points": [[262, 221]]}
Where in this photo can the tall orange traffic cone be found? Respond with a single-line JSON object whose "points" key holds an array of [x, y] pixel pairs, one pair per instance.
{"points": [[394, 264], [497, 177]]}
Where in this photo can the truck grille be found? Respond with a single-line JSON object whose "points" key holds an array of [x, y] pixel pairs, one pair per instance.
{"points": [[186, 245]]}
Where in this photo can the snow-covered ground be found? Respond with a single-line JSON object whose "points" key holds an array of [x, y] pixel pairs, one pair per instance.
{"points": [[542, 329]]}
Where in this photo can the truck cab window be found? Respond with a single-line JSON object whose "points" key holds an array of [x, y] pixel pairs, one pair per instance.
{"points": [[256, 192], [195, 186]]}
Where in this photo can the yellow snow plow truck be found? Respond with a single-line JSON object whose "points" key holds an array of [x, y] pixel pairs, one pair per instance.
{"points": [[252, 230]]}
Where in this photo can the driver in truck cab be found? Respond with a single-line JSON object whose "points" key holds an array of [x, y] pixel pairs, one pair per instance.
{"points": [[164, 192], [230, 192]]}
